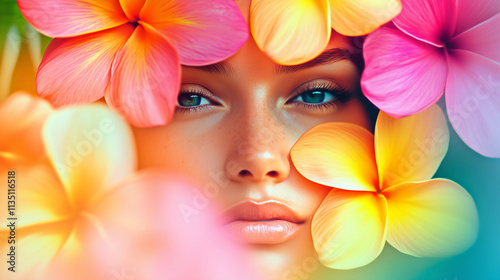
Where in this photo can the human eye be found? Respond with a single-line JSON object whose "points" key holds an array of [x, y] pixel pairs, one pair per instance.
{"points": [[319, 95], [193, 98]]}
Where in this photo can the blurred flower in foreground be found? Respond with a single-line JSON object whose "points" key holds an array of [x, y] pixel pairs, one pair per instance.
{"points": [[22, 118], [295, 31], [130, 51], [90, 215], [384, 192], [438, 46]]}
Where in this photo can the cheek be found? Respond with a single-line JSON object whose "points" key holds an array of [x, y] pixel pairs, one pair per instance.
{"points": [[196, 150], [179, 149]]}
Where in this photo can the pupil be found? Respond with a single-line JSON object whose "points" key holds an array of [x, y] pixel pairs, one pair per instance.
{"points": [[314, 96], [187, 100]]}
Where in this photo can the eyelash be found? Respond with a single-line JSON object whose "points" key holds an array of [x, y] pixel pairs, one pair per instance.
{"points": [[340, 95], [195, 109]]}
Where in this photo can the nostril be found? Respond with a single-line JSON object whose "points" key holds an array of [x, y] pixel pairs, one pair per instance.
{"points": [[244, 173], [273, 174]]}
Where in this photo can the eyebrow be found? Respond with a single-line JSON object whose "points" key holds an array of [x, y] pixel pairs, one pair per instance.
{"points": [[326, 57], [221, 68]]}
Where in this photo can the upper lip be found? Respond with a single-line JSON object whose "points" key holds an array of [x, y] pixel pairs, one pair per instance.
{"points": [[262, 211]]}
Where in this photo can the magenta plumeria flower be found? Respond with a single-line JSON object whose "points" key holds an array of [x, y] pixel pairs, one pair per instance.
{"points": [[438, 46], [130, 51]]}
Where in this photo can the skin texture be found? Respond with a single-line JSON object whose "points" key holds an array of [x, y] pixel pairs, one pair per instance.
{"points": [[236, 146]]}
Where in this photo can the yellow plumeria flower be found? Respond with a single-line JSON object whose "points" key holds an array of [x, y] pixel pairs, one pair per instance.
{"points": [[385, 191], [55, 205], [295, 31]]}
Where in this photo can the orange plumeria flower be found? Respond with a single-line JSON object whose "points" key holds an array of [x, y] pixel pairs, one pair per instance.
{"points": [[86, 212], [130, 51], [384, 191], [295, 31]]}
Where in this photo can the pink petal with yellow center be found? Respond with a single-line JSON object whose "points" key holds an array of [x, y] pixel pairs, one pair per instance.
{"points": [[359, 17], [91, 148], [435, 218], [77, 70], [61, 18], [403, 76], [472, 13], [145, 80], [431, 21], [291, 32], [132, 8], [483, 39], [473, 100], [77, 257], [410, 148], [22, 117], [156, 206], [338, 155], [203, 32], [349, 228]]}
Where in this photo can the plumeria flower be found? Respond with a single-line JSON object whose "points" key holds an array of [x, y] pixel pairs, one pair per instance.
{"points": [[130, 51], [438, 46], [22, 118], [89, 214], [384, 191], [295, 31]]}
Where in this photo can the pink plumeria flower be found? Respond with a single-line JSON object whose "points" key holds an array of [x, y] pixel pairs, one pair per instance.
{"points": [[130, 51], [438, 46]]}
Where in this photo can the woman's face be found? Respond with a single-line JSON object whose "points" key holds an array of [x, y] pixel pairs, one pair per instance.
{"points": [[232, 133]]}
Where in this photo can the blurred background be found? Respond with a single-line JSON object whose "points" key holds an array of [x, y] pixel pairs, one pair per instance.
{"points": [[21, 50]]}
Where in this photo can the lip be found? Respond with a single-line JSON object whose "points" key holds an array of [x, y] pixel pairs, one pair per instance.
{"points": [[267, 222]]}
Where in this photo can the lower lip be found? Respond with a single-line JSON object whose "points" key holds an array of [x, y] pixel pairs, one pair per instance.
{"points": [[263, 232]]}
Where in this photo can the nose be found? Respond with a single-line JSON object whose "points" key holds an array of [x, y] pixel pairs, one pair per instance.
{"points": [[259, 151]]}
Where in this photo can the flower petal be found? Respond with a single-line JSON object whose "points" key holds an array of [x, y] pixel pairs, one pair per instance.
{"points": [[145, 207], [61, 18], [292, 31], [145, 80], [403, 76], [432, 21], [22, 117], [349, 228], [203, 32], [338, 155], [41, 243], [473, 100], [472, 13], [77, 70], [39, 195], [91, 148], [411, 148], [483, 39], [435, 218], [359, 17], [132, 8]]}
